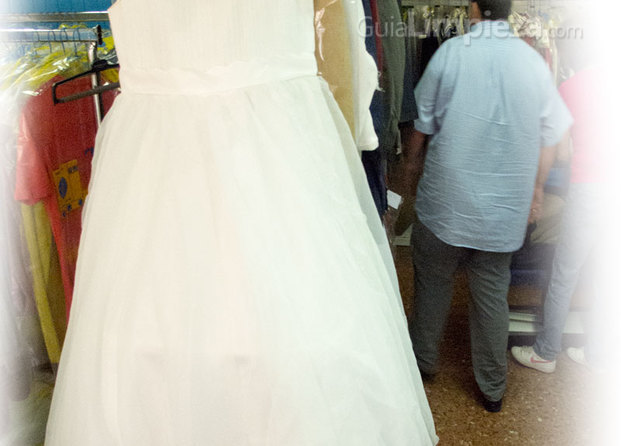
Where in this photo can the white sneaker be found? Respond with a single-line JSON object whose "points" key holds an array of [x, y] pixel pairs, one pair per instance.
{"points": [[527, 357], [578, 355]]}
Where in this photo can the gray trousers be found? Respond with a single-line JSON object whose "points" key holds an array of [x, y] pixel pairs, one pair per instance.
{"points": [[435, 264], [580, 234]]}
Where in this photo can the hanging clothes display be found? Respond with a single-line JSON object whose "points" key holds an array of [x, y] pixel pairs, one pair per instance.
{"points": [[364, 81], [344, 63], [383, 19], [332, 51], [408, 104], [21, 347], [429, 27], [534, 29], [351, 73], [431, 40], [31, 297], [23, 69], [55, 150], [391, 63], [46, 276], [41, 133], [230, 289]]}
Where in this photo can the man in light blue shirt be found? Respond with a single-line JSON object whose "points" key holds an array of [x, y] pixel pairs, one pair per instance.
{"points": [[491, 112]]}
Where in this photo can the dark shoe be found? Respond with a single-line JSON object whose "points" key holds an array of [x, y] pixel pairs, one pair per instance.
{"points": [[427, 377], [492, 406]]}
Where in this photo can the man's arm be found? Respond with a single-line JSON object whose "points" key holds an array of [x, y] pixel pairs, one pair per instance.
{"points": [[555, 125], [564, 150], [547, 157], [415, 138], [414, 145]]}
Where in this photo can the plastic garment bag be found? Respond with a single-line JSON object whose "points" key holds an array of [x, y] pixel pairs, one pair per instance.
{"points": [[32, 297]]}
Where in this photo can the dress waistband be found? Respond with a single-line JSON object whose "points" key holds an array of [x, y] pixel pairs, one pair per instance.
{"points": [[237, 75]]}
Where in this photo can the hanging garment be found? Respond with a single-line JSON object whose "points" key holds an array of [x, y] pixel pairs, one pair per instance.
{"points": [[347, 67], [535, 30], [410, 74], [30, 284], [365, 77], [584, 93], [46, 278], [55, 149], [387, 45], [333, 55], [23, 76], [392, 67], [230, 290]]}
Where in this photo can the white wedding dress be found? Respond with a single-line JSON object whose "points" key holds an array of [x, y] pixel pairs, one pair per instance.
{"points": [[232, 285]]}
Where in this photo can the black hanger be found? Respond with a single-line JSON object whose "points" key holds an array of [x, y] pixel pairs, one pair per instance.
{"points": [[98, 67]]}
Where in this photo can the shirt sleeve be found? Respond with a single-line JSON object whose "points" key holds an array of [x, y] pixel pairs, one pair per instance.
{"points": [[426, 94], [555, 116]]}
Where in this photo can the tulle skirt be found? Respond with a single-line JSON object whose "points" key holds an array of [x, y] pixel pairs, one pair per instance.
{"points": [[234, 284]]}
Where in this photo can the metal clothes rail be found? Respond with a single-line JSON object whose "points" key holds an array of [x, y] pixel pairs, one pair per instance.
{"points": [[33, 35], [56, 17], [92, 37]]}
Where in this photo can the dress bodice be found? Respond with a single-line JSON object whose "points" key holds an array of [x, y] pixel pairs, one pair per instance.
{"points": [[230, 39]]}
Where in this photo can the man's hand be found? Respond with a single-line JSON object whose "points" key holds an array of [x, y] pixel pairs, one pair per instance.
{"points": [[536, 207], [547, 156]]}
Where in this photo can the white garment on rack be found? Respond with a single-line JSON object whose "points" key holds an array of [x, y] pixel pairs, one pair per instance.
{"points": [[365, 76], [231, 288]]}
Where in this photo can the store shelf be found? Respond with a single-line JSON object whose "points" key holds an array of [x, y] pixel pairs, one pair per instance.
{"points": [[528, 323]]}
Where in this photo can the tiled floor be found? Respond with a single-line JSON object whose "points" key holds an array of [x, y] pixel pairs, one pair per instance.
{"points": [[557, 409]]}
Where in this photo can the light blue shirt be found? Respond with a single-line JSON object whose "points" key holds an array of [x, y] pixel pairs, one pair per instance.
{"points": [[490, 103]]}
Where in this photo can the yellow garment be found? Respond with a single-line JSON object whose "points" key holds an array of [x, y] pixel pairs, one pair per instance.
{"points": [[47, 282], [45, 61], [332, 51]]}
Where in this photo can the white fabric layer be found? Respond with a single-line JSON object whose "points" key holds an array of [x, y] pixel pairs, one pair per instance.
{"points": [[365, 76], [218, 79], [232, 286]]}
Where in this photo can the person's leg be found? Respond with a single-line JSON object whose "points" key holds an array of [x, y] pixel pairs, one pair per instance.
{"points": [[489, 276], [601, 269], [435, 263], [576, 243]]}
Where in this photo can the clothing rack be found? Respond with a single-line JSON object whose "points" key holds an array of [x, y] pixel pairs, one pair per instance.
{"points": [[90, 36], [55, 17], [34, 35]]}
